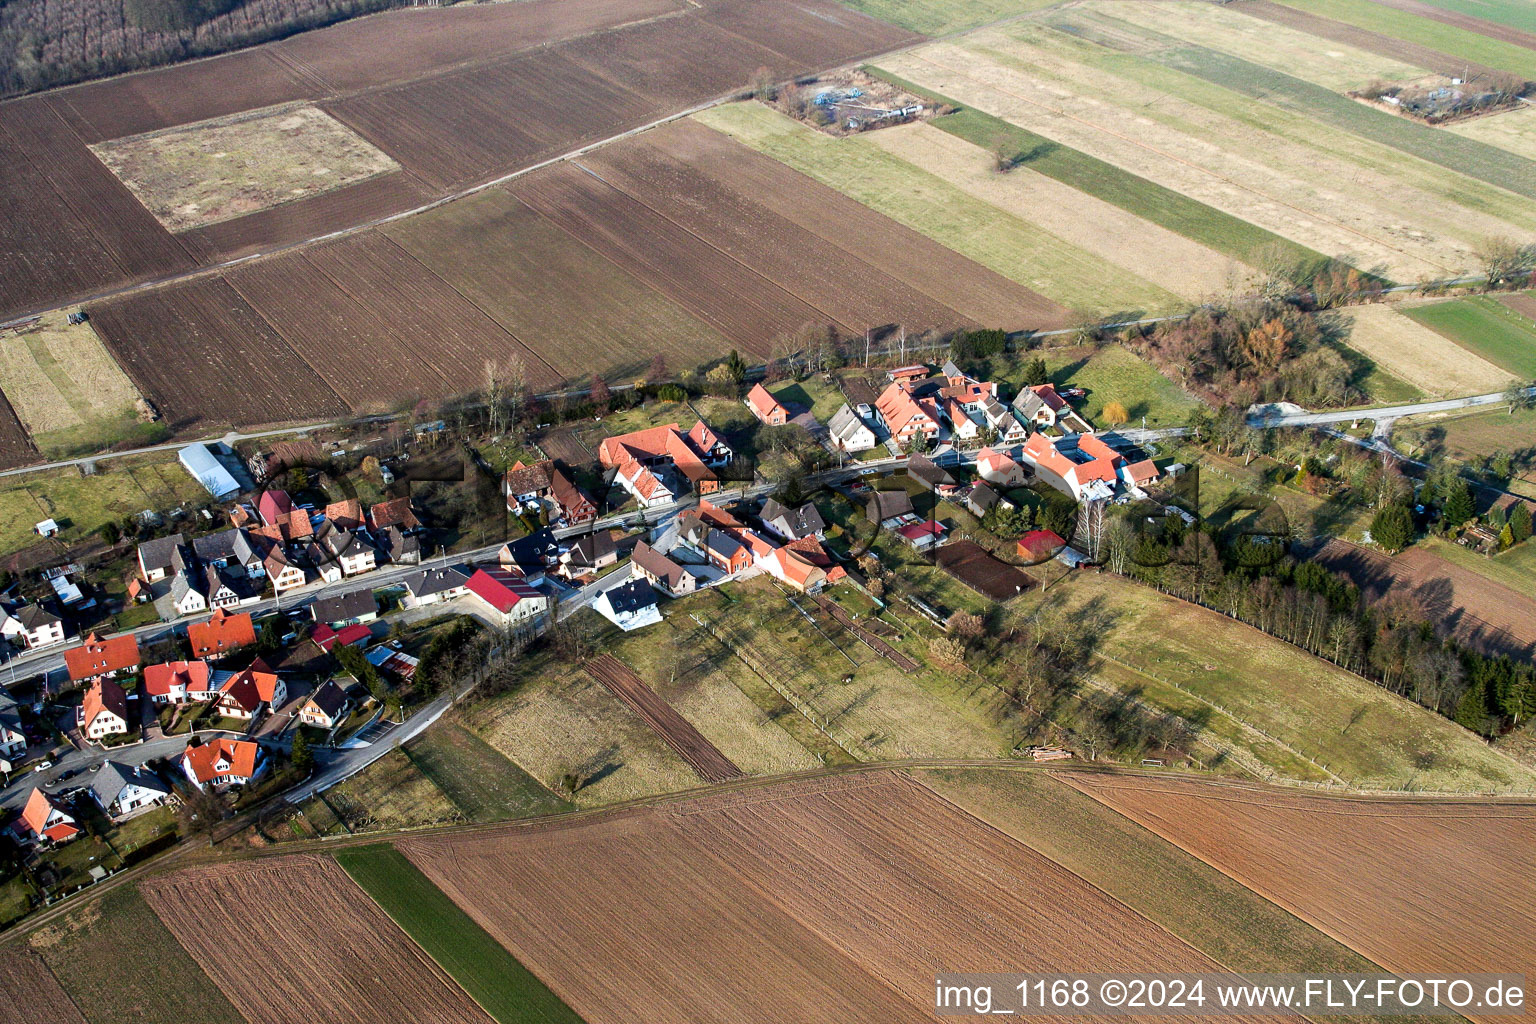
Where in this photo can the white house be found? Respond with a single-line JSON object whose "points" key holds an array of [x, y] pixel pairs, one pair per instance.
{"points": [[999, 468], [39, 627], [104, 711], [508, 595], [123, 790], [643, 485], [849, 430], [187, 597], [630, 605]]}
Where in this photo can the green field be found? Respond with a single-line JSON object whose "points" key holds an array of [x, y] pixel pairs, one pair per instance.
{"points": [[1514, 13], [1486, 327], [941, 17], [1354, 728], [1515, 568], [1458, 153], [1115, 374], [1191, 218], [1015, 248], [121, 487], [121, 965], [1427, 32], [504, 988], [478, 780]]}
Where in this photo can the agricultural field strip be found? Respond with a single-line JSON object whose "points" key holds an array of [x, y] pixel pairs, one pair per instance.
{"points": [[1495, 331], [1421, 356], [926, 69], [1456, 14], [1381, 17], [28, 990], [679, 733]]}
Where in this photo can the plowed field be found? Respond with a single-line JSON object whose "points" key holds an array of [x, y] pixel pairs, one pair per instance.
{"points": [[832, 900], [326, 947], [30, 993], [1407, 883], [702, 756]]}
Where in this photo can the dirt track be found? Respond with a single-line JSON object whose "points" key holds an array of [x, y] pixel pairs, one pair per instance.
{"points": [[702, 756]]}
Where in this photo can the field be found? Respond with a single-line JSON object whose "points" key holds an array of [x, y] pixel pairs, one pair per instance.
{"points": [[326, 944], [1480, 432], [1486, 328], [504, 988], [1412, 28], [481, 783], [1469, 605], [29, 993], [390, 793], [81, 505], [1402, 346], [1339, 865], [842, 893], [212, 171], [1303, 162], [60, 380], [16, 446], [702, 756], [1353, 728], [1115, 374], [978, 569], [168, 983], [1476, 14], [941, 17]]}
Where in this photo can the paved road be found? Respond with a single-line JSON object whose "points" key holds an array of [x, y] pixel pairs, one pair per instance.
{"points": [[1264, 417]]}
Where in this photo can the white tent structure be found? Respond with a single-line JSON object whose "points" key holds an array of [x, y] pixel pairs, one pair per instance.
{"points": [[206, 470]]}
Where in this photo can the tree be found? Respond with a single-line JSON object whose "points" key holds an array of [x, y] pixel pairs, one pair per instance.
{"points": [[1035, 372], [967, 626], [1392, 528], [302, 758], [1517, 397], [109, 534], [947, 650], [599, 394], [657, 373], [1472, 709], [1004, 155], [271, 637], [1520, 521], [721, 381], [1504, 260], [1458, 507], [761, 85], [1114, 414]]}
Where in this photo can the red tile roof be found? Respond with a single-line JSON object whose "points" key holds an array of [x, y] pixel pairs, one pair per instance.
{"points": [[764, 405], [395, 512], [1094, 447], [103, 696], [1041, 449], [346, 514], [901, 411], [222, 632], [97, 657], [239, 757], [273, 505], [1143, 472], [1039, 543], [912, 531], [325, 637], [1048, 395], [35, 815], [160, 679], [500, 589]]}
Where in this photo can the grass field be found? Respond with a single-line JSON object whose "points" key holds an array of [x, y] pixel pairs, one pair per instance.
{"points": [[813, 393], [1480, 433], [121, 487], [504, 988], [1486, 328], [1231, 924], [1512, 130], [1515, 568], [64, 386], [390, 793], [1115, 374], [1165, 207], [1354, 728], [476, 779], [1419, 357], [939, 17], [1426, 32], [165, 983], [1514, 13], [213, 171], [1016, 248]]}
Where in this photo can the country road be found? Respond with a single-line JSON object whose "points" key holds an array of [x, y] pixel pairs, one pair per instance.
{"points": [[1271, 416]]}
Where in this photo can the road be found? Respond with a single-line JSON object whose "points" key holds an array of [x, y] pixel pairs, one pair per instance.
{"points": [[1272, 416]]}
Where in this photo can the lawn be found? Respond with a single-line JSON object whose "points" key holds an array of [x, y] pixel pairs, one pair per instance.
{"points": [[941, 17], [1427, 32], [390, 793], [164, 983], [121, 487], [1487, 328], [1352, 727], [821, 396], [478, 780], [1163, 206], [1114, 374], [1190, 898], [1013, 247], [1476, 434], [493, 977]]}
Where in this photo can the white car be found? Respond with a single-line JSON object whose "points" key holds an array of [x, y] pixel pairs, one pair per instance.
{"points": [[42, 766]]}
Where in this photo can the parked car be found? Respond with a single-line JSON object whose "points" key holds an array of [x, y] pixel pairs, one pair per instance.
{"points": [[42, 766]]}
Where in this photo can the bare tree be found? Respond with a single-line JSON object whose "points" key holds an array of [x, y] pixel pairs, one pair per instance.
{"points": [[1504, 260]]}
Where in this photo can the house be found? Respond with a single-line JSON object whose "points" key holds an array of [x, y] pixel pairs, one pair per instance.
{"points": [[346, 514], [281, 521], [121, 790], [526, 485], [327, 568], [39, 627], [1092, 479], [966, 393], [177, 682], [1037, 545], [222, 762], [245, 693], [326, 707], [725, 551], [219, 588], [983, 499], [788, 566], [630, 605], [532, 556], [199, 460], [999, 468], [273, 507], [395, 513], [575, 507], [161, 557], [351, 608], [906, 417], [1000, 419], [765, 407], [96, 658], [104, 711], [43, 820], [231, 549], [642, 483], [591, 552], [327, 638], [666, 575], [348, 547], [694, 455], [792, 524], [886, 507], [961, 426], [1040, 405], [284, 573], [849, 432], [509, 596], [400, 547], [932, 476], [187, 596], [1138, 476], [434, 586], [13, 736], [924, 534]]}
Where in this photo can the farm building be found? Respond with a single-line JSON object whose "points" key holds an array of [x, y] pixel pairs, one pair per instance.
{"points": [[207, 470], [507, 595], [1037, 545]]}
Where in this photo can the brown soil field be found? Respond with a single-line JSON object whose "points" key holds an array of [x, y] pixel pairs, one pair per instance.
{"points": [[1523, 303], [1478, 612], [1418, 355], [727, 296], [811, 33], [702, 756], [15, 446], [359, 354], [1408, 883], [199, 352], [326, 946], [839, 897], [917, 263], [576, 310], [674, 60], [983, 572], [843, 289], [1365, 39], [29, 992]]}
